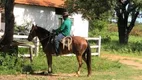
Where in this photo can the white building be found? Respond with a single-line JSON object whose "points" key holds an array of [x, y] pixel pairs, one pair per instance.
{"points": [[46, 14]]}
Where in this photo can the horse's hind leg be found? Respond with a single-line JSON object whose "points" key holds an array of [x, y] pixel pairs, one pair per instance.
{"points": [[79, 58], [84, 58], [87, 58]]}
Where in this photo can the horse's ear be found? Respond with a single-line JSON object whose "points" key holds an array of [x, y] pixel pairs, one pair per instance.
{"points": [[35, 27]]}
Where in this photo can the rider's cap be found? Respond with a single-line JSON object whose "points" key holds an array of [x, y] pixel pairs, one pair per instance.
{"points": [[65, 13]]}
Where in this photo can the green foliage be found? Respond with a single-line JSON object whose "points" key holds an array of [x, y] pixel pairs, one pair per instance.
{"points": [[22, 29], [9, 64], [91, 9], [110, 39], [100, 25], [115, 47], [134, 46], [99, 28], [138, 2]]}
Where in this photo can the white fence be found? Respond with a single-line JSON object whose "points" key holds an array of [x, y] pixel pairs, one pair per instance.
{"points": [[96, 44], [23, 43], [34, 48]]}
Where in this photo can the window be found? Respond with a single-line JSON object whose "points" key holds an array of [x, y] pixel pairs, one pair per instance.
{"points": [[60, 21], [59, 11]]}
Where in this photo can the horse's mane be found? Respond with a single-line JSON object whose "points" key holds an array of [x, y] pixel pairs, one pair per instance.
{"points": [[43, 30]]}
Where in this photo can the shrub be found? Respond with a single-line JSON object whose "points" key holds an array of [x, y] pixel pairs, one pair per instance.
{"points": [[99, 28], [9, 63]]}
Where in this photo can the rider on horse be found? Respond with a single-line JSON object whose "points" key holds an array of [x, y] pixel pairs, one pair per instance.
{"points": [[62, 31]]}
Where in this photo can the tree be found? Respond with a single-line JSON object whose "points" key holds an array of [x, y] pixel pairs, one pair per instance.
{"points": [[96, 9], [7, 39], [124, 9], [90, 9]]}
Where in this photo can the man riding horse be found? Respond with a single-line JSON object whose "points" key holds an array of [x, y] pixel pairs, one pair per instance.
{"points": [[62, 31]]}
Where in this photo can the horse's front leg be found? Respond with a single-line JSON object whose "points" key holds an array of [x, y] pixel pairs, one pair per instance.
{"points": [[49, 62]]}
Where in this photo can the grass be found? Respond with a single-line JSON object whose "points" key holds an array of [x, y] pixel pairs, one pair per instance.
{"points": [[111, 44], [102, 69], [70, 64]]}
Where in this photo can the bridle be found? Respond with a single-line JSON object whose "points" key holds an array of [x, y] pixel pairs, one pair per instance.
{"points": [[45, 37], [50, 36]]}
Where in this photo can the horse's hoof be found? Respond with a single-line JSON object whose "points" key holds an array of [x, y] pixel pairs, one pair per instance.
{"points": [[77, 75], [88, 75], [42, 73], [49, 74]]}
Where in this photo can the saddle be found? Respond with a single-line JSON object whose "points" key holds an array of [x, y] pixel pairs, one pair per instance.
{"points": [[67, 41]]}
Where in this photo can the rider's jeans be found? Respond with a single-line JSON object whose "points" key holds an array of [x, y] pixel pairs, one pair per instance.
{"points": [[58, 38]]}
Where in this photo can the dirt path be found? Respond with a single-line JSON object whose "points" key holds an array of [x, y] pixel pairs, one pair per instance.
{"points": [[36, 77], [133, 62]]}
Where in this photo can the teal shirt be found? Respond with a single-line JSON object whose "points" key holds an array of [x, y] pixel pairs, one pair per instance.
{"points": [[65, 27]]}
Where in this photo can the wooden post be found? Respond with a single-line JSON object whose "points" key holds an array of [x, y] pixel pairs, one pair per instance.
{"points": [[99, 43], [31, 53], [36, 43]]}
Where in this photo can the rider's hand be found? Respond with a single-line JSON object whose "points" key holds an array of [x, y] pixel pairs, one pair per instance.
{"points": [[53, 30]]}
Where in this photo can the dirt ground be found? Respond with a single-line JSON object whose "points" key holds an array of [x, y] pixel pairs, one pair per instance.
{"points": [[35, 77], [135, 63]]}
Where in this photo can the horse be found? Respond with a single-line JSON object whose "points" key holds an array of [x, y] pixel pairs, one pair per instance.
{"points": [[80, 47]]}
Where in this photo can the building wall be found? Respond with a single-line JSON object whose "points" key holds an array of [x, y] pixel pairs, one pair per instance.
{"points": [[42, 16], [80, 26], [47, 18]]}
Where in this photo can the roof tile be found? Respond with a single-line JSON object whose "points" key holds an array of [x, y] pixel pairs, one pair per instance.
{"points": [[48, 3]]}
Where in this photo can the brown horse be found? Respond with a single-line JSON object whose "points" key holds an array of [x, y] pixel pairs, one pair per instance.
{"points": [[80, 47]]}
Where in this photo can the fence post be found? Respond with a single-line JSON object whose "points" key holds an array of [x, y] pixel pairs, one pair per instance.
{"points": [[99, 43], [97, 46], [36, 43]]}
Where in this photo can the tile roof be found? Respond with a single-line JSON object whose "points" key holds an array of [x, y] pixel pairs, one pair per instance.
{"points": [[47, 3]]}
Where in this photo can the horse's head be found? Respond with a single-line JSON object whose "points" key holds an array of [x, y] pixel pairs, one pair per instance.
{"points": [[40, 32], [32, 33]]}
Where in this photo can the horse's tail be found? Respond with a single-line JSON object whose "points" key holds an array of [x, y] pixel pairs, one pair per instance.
{"points": [[88, 60]]}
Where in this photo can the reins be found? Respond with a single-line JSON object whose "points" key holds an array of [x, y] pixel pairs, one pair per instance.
{"points": [[47, 37]]}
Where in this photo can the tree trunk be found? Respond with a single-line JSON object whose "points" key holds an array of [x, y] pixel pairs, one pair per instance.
{"points": [[123, 36], [7, 39], [123, 29], [123, 10]]}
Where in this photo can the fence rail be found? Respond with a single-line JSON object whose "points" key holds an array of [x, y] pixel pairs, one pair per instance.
{"points": [[96, 45], [23, 43], [34, 48]]}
